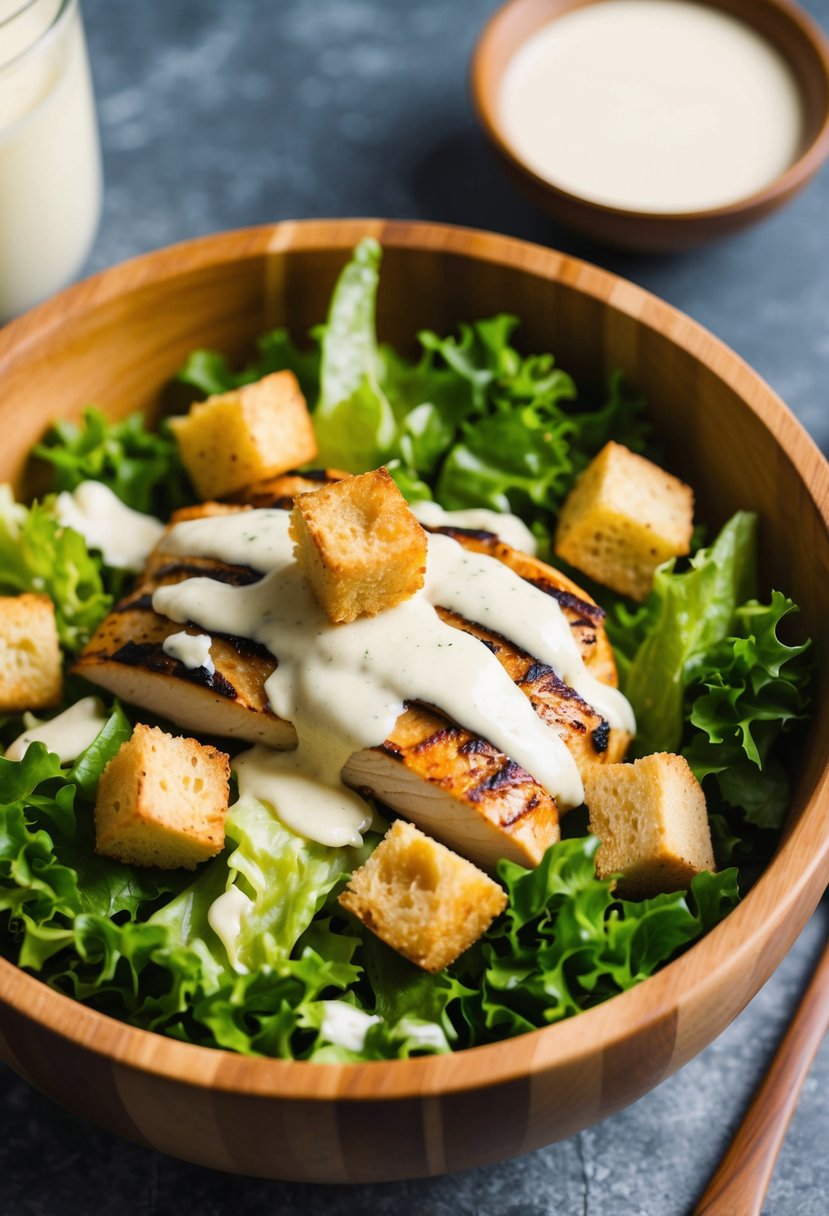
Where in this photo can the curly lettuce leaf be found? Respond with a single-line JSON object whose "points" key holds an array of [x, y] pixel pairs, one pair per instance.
{"points": [[686, 615], [49, 871], [749, 691], [38, 554], [513, 462], [413, 1005], [566, 942], [137, 943], [140, 466], [207, 372], [709, 676]]}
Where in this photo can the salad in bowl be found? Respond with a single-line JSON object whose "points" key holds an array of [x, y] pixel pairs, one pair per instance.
{"points": [[375, 706]]}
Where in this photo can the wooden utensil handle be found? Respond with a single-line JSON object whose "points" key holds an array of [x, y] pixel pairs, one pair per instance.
{"points": [[739, 1185]]}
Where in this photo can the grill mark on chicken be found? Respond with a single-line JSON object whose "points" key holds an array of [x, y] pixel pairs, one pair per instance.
{"points": [[278, 492], [142, 603], [601, 737], [154, 658], [544, 679], [592, 613], [508, 774], [233, 576], [453, 530], [321, 475], [537, 672], [443, 736], [473, 746]]}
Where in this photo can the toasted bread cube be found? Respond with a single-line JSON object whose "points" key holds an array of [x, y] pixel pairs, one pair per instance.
{"points": [[361, 548], [423, 900], [651, 819], [162, 801], [233, 439], [31, 673], [622, 519]]}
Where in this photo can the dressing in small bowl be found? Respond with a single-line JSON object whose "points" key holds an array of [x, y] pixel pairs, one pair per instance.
{"points": [[656, 123]]}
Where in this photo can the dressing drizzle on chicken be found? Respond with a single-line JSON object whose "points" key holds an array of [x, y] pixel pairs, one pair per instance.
{"points": [[487, 781]]}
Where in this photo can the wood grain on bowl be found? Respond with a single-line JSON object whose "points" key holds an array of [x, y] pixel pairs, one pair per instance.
{"points": [[115, 341]]}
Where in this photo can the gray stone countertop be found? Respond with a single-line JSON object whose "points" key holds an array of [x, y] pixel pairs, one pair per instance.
{"points": [[218, 115]]}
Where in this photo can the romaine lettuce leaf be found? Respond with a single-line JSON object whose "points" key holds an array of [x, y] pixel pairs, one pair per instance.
{"points": [[709, 676], [87, 768], [38, 554], [686, 615], [287, 876], [353, 419]]}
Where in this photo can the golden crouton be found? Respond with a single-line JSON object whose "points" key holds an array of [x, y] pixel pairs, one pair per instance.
{"points": [[162, 801], [359, 545], [31, 674], [231, 440], [424, 901], [623, 518], [651, 819]]}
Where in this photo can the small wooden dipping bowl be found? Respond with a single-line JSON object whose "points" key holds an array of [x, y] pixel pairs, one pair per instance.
{"points": [[796, 36], [115, 341]]}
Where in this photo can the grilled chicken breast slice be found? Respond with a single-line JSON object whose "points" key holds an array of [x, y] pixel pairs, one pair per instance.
{"points": [[453, 784], [583, 613]]}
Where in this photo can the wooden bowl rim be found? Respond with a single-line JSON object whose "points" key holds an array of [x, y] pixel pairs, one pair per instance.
{"points": [[700, 970], [786, 183]]}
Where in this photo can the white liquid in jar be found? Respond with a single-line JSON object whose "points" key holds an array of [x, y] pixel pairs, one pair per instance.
{"points": [[50, 164], [652, 105]]}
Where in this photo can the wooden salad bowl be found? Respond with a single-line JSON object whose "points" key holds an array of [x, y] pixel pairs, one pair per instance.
{"points": [[115, 341]]}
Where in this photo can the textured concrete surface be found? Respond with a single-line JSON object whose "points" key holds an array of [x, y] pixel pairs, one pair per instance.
{"points": [[217, 115]]}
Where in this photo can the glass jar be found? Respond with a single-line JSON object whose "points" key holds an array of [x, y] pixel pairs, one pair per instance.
{"points": [[50, 160]]}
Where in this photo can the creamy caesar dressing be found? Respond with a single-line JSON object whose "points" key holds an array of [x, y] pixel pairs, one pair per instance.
{"points": [[225, 919], [66, 735], [344, 686], [425, 1034], [484, 590], [252, 538], [191, 649], [281, 779], [124, 537], [654, 105], [346, 1026], [508, 528]]}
